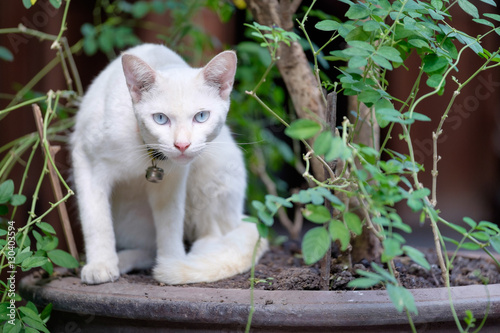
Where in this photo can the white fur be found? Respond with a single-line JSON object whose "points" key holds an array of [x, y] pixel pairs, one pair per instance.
{"points": [[129, 222]]}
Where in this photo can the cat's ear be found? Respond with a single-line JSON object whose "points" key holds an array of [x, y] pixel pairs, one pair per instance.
{"points": [[219, 72], [139, 76]]}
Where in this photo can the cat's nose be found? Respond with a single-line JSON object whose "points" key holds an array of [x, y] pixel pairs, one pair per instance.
{"points": [[182, 146]]}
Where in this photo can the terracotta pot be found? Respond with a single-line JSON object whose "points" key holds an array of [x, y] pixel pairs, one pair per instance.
{"points": [[125, 307]]}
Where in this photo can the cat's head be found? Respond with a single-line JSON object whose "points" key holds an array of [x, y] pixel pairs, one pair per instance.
{"points": [[180, 110]]}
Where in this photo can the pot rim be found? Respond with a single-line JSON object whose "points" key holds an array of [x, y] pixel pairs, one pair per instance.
{"points": [[176, 304]]}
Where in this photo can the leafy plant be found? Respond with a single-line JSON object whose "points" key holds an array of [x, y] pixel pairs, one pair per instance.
{"points": [[360, 194]]}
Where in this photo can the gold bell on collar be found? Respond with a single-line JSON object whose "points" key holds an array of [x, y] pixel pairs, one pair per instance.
{"points": [[154, 174]]}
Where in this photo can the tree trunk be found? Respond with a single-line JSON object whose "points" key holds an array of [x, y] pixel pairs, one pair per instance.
{"points": [[309, 103], [293, 64]]}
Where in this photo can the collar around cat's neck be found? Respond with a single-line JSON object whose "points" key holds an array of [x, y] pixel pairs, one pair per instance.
{"points": [[156, 155]]}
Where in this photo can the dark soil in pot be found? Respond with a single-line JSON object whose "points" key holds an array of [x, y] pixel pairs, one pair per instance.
{"points": [[283, 269]]}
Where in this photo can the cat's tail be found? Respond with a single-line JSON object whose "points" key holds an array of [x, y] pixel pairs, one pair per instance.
{"points": [[213, 258]]}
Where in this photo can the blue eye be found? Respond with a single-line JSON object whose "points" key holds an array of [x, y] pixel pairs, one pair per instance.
{"points": [[160, 118], [202, 116]]}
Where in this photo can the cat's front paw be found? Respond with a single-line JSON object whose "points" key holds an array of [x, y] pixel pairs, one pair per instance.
{"points": [[99, 272]]}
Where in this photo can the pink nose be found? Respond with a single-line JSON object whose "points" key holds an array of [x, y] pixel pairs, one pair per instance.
{"points": [[182, 146]]}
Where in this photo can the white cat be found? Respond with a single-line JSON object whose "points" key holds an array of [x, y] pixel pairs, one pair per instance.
{"points": [[149, 108]]}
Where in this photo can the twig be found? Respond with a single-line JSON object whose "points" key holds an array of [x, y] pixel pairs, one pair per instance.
{"points": [[56, 187], [293, 227]]}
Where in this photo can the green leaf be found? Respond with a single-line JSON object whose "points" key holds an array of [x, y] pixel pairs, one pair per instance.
{"points": [[45, 314], [481, 236], [357, 11], [433, 63], [355, 52], [315, 244], [470, 246], [495, 17], [381, 61], [27, 312], [88, 30], [417, 256], [458, 228], [21, 256], [357, 34], [90, 46], [417, 116], [56, 3], [392, 248], [140, 9], [495, 243], [469, 8], [6, 191], [484, 22], [437, 4], [371, 26], [434, 80], [369, 96], [490, 2], [48, 267], [363, 283], [382, 272], [337, 150], [361, 45], [316, 214], [16, 328], [63, 259], [265, 217], [263, 230], [390, 53], [30, 330], [338, 231], [415, 204], [258, 205], [401, 298], [303, 129], [4, 210], [448, 45], [323, 142], [451, 240], [46, 227], [327, 25], [357, 62], [489, 226], [36, 324], [353, 222], [17, 200], [27, 4], [47, 243], [33, 262], [382, 104], [419, 43], [470, 222], [303, 197], [5, 54]]}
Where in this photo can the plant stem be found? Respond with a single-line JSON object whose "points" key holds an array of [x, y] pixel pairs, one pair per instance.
{"points": [[252, 286], [20, 105], [56, 44]]}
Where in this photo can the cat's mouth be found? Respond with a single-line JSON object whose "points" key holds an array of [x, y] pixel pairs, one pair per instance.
{"points": [[183, 158]]}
